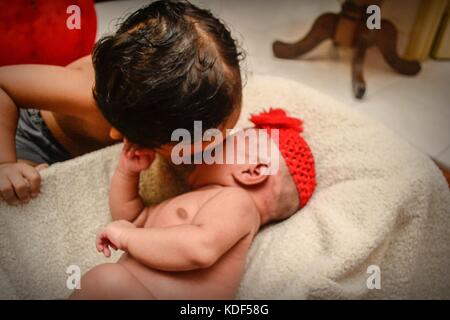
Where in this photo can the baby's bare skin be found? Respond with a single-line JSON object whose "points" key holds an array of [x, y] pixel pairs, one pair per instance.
{"points": [[219, 281], [189, 275], [193, 246]]}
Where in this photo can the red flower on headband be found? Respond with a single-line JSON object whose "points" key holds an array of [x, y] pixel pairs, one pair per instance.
{"points": [[276, 118]]}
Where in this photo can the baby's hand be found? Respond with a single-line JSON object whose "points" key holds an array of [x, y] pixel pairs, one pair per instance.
{"points": [[134, 159], [113, 236]]}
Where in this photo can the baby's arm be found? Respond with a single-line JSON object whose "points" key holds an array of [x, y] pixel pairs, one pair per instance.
{"points": [[220, 223], [124, 200]]}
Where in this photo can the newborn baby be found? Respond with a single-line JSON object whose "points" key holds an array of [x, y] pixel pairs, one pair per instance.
{"points": [[194, 246]]}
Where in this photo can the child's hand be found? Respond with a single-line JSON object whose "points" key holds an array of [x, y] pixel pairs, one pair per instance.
{"points": [[113, 236], [19, 182], [133, 159]]}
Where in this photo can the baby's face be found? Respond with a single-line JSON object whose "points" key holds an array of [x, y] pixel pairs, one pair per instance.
{"points": [[252, 162], [247, 150]]}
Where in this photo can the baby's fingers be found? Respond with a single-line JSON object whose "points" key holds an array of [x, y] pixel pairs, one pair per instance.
{"points": [[99, 245], [130, 154], [101, 240], [106, 251], [145, 152], [126, 144]]}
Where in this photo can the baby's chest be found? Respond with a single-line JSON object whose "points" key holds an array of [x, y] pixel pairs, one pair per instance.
{"points": [[171, 214]]}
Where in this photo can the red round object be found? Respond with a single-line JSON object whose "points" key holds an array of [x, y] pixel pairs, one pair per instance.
{"points": [[36, 31]]}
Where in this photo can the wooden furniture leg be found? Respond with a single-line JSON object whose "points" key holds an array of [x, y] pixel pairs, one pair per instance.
{"points": [[358, 83], [386, 41], [348, 28], [323, 28]]}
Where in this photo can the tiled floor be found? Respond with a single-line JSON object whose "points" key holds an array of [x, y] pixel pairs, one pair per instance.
{"points": [[417, 108]]}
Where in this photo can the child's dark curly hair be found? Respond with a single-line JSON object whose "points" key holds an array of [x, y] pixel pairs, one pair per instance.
{"points": [[168, 64]]}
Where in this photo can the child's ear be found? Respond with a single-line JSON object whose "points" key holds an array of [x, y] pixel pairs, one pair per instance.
{"points": [[252, 174], [115, 134]]}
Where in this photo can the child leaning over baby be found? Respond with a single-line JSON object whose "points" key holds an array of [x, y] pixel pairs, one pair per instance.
{"points": [[194, 246]]}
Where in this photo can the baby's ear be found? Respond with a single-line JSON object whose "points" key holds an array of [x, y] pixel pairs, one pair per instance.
{"points": [[252, 174]]}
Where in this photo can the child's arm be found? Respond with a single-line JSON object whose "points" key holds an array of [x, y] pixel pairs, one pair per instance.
{"points": [[59, 89], [218, 226], [64, 90], [125, 202]]}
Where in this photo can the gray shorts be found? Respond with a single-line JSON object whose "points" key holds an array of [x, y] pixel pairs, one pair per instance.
{"points": [[35, 142]]}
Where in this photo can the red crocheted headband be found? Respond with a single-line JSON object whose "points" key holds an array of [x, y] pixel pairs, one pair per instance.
{"points": [[294, 149]]}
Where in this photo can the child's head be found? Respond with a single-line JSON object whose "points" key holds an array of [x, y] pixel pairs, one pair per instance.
{"points": [[168, 64], [275, 166]]}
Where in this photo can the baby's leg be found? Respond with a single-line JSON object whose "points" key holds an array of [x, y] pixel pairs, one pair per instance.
{"points": [[110, 281]]}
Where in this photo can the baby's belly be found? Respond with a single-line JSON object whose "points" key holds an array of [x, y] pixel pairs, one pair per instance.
{"points": [[221, 281]]}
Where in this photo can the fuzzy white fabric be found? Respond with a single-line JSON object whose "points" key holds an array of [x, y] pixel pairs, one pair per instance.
{"points": [[378, 202]]}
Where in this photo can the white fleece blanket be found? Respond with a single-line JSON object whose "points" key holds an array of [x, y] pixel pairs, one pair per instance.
{"points": [[378, 202]]}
